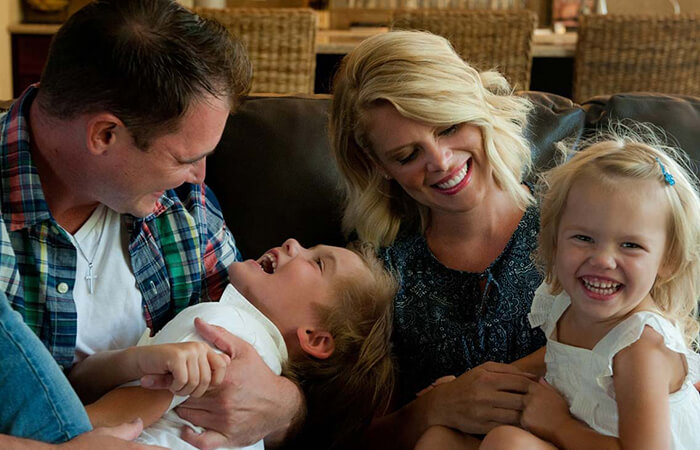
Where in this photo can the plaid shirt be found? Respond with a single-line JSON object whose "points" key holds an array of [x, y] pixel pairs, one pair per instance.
{"points": [[179, 253]]}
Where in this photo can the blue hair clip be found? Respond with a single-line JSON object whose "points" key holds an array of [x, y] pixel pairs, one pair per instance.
{"points": [[668, 178]]}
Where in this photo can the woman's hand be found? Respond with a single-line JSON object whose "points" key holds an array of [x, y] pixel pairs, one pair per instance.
{"points": [[192, 366], [487, 396], [545, 410]]}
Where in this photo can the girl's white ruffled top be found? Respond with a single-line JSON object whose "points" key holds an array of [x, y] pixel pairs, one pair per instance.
{"points": [[584, 376]]}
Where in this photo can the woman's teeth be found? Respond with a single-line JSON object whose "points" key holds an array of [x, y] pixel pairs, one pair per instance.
{"points": [[454, 181]]}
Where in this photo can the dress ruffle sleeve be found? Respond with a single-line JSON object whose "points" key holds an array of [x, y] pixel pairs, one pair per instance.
{"points": [[629, 331]]}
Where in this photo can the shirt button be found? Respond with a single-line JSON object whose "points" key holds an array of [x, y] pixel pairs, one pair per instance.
{"points": [[62, 288]]}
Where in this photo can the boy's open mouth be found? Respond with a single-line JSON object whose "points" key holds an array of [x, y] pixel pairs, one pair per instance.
{"points": [[268, 263]]}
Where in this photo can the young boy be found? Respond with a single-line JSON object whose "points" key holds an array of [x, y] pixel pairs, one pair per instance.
{"points": [[322, 315]]}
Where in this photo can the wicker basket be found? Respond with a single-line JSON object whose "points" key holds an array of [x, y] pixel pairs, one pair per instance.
{"points": [[628, 53], [280, 43], [500, 40]]}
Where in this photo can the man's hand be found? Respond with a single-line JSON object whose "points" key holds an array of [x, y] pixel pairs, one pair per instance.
{"points": [[478, 400], [111, 438], [250, 404]]}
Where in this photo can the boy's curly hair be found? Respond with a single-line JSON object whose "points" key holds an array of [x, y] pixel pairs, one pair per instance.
{"points": [[346, 390]]}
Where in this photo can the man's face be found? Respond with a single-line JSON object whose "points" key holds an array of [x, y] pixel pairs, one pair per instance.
{"points": [[136, 179]]}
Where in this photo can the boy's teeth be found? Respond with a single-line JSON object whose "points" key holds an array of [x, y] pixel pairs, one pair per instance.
{"points": [[454, 181], [268, 263]]}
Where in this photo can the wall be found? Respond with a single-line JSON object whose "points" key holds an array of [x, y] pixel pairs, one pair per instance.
{"points": [[9, 14]]}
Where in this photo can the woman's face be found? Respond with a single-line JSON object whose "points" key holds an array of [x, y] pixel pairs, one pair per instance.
{"points": [[442, 168]]}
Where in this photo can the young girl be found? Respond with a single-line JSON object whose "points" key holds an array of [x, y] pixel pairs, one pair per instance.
{"points": [[620, 247], [322, 316]]}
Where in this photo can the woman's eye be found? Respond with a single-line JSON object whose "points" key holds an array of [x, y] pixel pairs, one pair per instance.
{"points": [[449, 131], [408, 158], [319, 263]]}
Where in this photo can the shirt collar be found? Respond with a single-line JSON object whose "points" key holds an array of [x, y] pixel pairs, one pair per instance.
{"points": [[23, 199]]}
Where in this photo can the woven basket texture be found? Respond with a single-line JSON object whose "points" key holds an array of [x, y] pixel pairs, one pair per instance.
{"points": [[500, 40], [630, 53], [280, 43]]}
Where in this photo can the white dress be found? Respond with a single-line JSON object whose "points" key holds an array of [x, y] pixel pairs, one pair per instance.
{"points": [[234, 313], [584, 377]]}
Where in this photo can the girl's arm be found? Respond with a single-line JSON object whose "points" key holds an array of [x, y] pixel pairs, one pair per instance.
{"points": [[126, 404], [645, 373]]}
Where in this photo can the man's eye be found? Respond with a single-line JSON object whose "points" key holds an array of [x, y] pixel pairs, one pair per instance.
{"points": [[449, 131]]}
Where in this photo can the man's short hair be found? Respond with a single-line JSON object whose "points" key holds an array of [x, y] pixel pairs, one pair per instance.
{"points": [[145, 61]]}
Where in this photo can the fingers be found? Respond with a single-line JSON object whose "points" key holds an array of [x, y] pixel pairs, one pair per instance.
{"points": [[218, 362], [209, 439], [157, 381], [505, 368], [218, 337]]}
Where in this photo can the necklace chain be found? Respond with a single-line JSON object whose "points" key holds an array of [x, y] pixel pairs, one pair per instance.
{"points": [[90, 277]]}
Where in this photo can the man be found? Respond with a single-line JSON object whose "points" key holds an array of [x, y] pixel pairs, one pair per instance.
{"points": [[102, 195]]}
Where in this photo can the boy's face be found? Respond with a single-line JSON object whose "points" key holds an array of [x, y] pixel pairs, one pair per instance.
{"points": [[287, 282]]}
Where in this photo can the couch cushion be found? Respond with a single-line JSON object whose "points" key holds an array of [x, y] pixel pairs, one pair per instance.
{"points": [[678, 116], [274, 175]]}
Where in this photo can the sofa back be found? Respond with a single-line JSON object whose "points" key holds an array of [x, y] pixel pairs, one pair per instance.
{"points": [[275, 178]]}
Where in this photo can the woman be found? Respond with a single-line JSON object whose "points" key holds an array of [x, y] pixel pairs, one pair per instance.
{"points": [[432, 153]]}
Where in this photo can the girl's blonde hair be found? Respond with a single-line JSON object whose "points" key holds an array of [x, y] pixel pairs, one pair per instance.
{"points": [[345, 391], [425, 80], [633, 151]]}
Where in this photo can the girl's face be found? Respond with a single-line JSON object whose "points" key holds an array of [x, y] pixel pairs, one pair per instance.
{"points": [[610, 247], [443, 168]]}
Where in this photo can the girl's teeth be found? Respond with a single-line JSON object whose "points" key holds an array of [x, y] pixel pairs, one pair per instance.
{"points": [[601, 287], [454, 181]]}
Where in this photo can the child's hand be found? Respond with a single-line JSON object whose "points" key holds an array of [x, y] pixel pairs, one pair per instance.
{"points": [[192, 366], [545, 410]]}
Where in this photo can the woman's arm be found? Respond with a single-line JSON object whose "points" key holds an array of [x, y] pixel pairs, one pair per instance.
{"points": [[533, 363], [475, 402]]}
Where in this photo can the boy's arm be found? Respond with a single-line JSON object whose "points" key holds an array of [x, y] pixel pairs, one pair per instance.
{"points": [[126, 404], [190, 368]]}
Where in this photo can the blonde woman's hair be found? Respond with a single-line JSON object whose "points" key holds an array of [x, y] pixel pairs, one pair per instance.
{"points": [[422, 76], [345, 391], [628, 150]]}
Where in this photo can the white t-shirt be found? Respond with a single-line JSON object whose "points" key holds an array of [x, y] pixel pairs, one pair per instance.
{"points": [[234, 313], [112, 316]]}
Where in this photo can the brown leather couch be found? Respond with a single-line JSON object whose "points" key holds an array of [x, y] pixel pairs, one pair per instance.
{"points": [[275, 177]]}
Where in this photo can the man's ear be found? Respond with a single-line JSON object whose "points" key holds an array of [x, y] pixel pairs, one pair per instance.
{"points": [[317, 343], [102, 131]]}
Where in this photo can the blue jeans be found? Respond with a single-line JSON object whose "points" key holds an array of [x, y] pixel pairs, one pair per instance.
{"points": [[36, 400]]}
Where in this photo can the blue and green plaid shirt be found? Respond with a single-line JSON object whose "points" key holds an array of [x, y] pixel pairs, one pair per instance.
{"points": [[179, 254]]}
